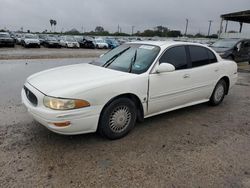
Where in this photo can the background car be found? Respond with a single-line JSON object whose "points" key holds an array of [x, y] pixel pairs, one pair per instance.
{"points": [[30, 40], [234, 49], [100, 43], [87, 42], [6, 40], [51, 41], [42, 38], [18, 38], [69, 42], [112, 43]]}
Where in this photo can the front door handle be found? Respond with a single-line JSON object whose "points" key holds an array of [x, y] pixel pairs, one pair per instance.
{"points": [[186, 76]]}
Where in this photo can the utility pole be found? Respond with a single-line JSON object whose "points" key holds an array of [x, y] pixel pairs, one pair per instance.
{"points": [[209, 27], [133, 27], [118, 29], [186, 27]]}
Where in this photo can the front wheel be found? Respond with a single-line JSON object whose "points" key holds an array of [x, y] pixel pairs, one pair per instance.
{"points": [[218, 93], [117, 119]]}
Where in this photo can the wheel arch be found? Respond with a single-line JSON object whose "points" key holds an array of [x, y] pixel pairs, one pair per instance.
{"points": [[134, 98], [227, 80]]}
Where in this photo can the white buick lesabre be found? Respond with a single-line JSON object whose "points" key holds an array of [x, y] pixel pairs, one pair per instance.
{"points": [[129, 83]]}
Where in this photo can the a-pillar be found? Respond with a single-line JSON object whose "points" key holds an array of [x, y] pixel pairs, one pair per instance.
{"points": [[241, 25], [220, 31]]}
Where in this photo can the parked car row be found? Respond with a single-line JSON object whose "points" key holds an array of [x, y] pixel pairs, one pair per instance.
{"points": [[55, 41], [233, 49]]}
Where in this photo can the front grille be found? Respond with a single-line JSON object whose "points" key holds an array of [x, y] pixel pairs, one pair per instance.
{"points": [[30, 96]]}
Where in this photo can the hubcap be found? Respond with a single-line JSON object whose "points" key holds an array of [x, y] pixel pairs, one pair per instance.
{"points": [[219, 92], [120, 119]]}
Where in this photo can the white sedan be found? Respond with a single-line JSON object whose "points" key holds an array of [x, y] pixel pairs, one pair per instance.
{"points": [[69, 42], [132, 82], [101, 44]]}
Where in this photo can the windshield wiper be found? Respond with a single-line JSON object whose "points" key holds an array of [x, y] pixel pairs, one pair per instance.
{"points": [[133, 60], [111, 60]]}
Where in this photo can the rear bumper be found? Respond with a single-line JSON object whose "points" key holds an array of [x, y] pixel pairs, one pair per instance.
{"points": [[81, 121]]}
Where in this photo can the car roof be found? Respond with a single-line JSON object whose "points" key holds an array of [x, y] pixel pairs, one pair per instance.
{"points": [[164, 44]]}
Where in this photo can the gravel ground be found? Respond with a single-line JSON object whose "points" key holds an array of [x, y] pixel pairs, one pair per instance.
{"points": [[199, 146], [47, 53]]}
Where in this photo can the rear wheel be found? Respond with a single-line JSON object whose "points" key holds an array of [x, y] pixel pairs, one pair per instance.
{"points": [[218, 93], [117, 119]]}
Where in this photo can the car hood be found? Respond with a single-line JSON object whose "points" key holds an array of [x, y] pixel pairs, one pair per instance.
{"points": [[52, 41], [32, 40], [220, 50], [62, 81], [6, 38]]}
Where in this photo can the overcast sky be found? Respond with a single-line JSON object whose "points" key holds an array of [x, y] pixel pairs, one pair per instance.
{"points": [[86, 14]]}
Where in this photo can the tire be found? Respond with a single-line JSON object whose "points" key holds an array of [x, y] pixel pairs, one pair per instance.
{"points": [[117, 119], [231, 58], [218, 93]]}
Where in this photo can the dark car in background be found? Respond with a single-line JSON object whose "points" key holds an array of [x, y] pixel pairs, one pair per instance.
{"points": [[6, 40], [51, 42], [112, 43], [86, 42], [235, 49]]}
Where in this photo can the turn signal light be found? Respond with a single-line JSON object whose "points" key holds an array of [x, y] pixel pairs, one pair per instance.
{"points": [[62, 124]]}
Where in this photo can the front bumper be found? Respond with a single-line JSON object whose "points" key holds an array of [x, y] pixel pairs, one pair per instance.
{"points": [[83, 120], [73, 45], [6, 43], [30, 44]]}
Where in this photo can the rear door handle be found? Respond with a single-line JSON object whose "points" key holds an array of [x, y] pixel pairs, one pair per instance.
{"points": [[216, 70], [186, 76]]}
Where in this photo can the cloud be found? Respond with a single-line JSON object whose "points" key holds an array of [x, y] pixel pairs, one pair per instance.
{"points": [[87, 14]]}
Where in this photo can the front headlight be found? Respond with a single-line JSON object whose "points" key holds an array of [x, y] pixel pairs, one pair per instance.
{"points": [[64, 104]]}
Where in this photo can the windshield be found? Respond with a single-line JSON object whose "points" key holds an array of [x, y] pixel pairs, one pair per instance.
{"points": [[51, 38], [112, 41], [30, 36], [224, 44], [4, 35], [134, 58], [99, 41], [70, 39]]}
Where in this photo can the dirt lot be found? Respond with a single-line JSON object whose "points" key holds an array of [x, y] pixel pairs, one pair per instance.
{"points": [[47, 53], [199, 146]]}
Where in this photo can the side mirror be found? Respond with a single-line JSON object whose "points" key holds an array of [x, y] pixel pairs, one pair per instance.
{"points": [[165, 67]]}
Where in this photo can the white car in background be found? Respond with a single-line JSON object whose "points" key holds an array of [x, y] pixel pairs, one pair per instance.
{"points": [[69, 42], [129, 83], [30, 40], [101, 44]]}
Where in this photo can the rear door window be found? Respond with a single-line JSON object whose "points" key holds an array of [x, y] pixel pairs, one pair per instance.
{"points": [[201, 56]]}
